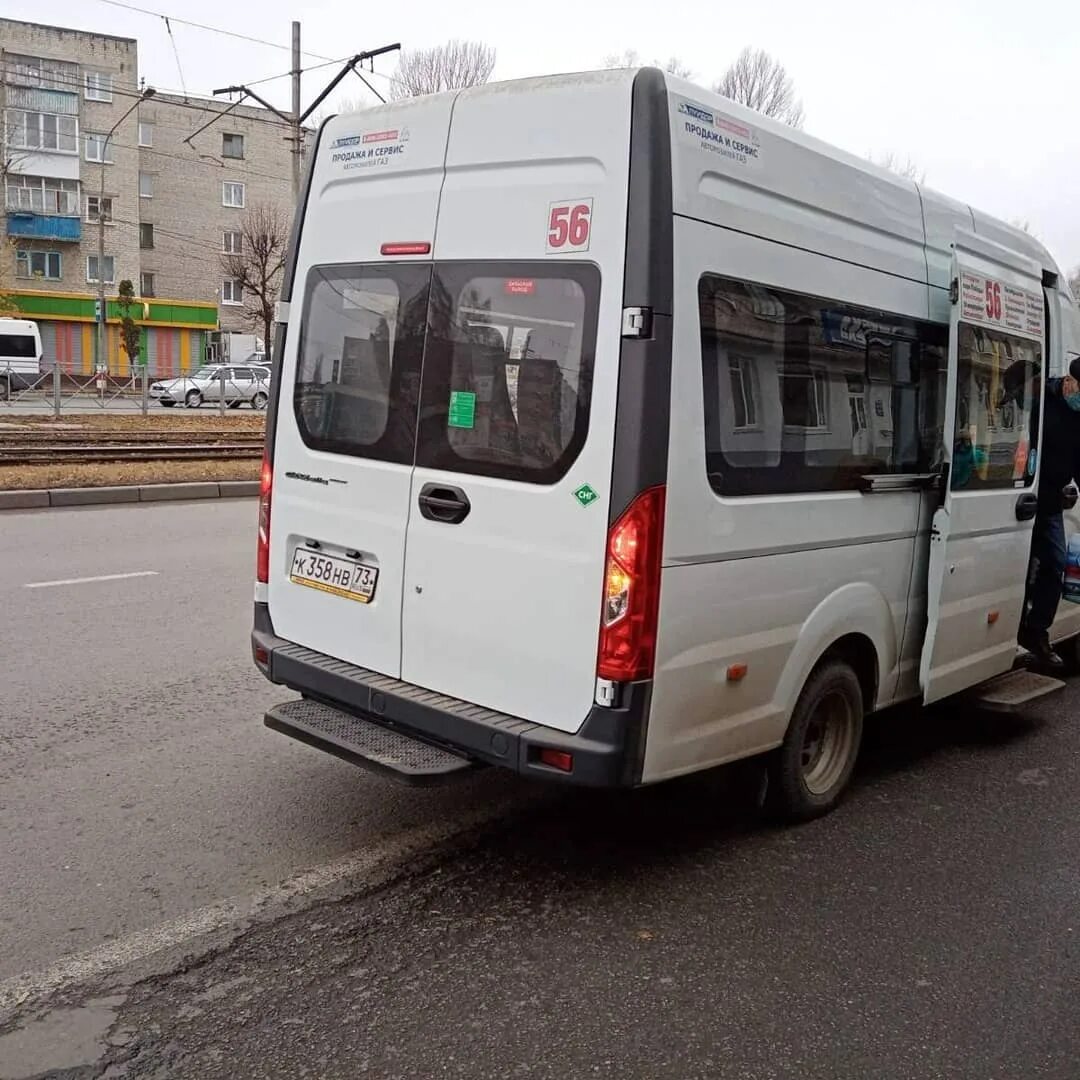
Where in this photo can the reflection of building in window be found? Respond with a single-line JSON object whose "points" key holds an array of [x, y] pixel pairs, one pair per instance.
{"points": [[860, 429], [743, 392], [804, 399]]}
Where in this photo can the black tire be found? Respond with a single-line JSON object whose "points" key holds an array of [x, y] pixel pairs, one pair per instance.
{"points": [[193, 399], [258, 400], [5, 388], [233, 404], [810, 772], [167, 404]]}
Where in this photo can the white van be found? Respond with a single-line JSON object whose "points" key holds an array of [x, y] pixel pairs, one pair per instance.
{"points": [[619, 432], [20, 355]]}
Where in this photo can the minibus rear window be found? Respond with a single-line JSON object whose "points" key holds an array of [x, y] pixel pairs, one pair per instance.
{"points": [[18, 346], [358, 370], [508, 369]]}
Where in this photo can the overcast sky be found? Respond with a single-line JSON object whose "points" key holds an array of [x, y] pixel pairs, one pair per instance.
{"points": [[983, 94]]}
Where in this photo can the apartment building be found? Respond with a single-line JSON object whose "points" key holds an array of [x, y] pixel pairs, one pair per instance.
{"points": [[169, 189]]}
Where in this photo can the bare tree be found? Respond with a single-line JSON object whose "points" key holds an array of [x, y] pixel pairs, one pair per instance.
{"points": [[761, 82], [908, 168], [257, 266], [631, 58], [452, 66], [1074, 282]]}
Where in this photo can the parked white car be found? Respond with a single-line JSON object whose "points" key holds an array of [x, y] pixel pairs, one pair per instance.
{"points": [[238, 383]]}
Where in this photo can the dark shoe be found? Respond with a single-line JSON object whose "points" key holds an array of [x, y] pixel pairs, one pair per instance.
{"points": [[1043, 656]]}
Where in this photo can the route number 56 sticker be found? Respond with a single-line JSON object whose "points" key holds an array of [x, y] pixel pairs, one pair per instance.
{"points": [[569, 226]]}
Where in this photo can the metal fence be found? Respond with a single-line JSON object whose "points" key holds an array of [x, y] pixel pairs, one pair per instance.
{"points": [[57, 391]]}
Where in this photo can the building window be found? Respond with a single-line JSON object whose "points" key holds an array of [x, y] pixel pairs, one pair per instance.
{"points": [[805, 399], [146, 186], [33, 71], [232, 194], [806, 394], [146, 283], [232, 146], [232, 292], [92, 269], [146, 133], [232, 243], [27, 130], [146, 235], [99, 208], [42, 195], [38, 264], [744, 394], [98, 86], [99, 149]]}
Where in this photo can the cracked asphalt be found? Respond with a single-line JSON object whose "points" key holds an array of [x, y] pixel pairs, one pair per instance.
{"points": [[926, 930]]}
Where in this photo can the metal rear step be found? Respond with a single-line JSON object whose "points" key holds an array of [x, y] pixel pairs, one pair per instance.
{"points": [[1010, 691], [363, 743]]}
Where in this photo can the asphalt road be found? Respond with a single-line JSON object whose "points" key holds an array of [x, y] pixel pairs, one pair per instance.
{"points": [[927, 929], [137, 782]]}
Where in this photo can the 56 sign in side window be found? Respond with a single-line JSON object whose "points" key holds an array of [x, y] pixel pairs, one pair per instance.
{"points": [[569, 226]]}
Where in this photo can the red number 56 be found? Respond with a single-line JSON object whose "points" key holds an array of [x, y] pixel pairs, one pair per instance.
{"points": [[993, 300], [569, 226]]}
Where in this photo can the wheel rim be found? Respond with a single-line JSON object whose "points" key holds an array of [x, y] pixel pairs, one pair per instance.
{"points": [[194, 399], [828, 743], [259, 401]]}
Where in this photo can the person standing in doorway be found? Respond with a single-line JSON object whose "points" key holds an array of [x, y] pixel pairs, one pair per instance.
{"points": [[1058, 467]]}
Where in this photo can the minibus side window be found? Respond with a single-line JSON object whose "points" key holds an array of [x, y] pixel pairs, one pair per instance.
{"points": [[804, 393], [999, 387], [358, 369]]}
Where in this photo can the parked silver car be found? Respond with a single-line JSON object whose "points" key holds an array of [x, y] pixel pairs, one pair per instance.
{"points": [[237, 383]]}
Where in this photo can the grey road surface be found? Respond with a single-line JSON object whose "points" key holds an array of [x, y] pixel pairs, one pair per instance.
{"points": [[137, 781], [926, 930]]}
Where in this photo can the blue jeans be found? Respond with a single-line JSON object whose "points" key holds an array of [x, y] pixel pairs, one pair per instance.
{"points": [[1046, 572]]}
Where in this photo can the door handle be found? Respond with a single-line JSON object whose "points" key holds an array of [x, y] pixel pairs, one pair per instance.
{"points": [[1026, 506], [440, 502]]}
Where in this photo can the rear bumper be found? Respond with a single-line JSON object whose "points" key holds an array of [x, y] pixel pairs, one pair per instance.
{"points": [[608, 748]]}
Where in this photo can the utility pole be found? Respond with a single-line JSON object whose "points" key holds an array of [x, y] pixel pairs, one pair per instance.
{"points": [[297, 144]]}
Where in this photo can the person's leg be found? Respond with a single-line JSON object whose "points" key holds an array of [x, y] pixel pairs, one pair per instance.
{"points": [[1045, 577], [1048, 552]]}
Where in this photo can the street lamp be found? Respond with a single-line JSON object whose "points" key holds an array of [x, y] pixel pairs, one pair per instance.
{"points": [[148, 92]]}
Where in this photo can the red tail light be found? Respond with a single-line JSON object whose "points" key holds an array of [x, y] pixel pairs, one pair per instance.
{"points": [[632, 590], [262, 562]]}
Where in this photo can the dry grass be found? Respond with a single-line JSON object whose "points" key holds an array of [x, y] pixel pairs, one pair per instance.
{"points": [[160, 422], [29, 477]]}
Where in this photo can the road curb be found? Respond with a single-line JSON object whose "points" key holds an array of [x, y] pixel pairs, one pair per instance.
{"points": [[41, 499]]}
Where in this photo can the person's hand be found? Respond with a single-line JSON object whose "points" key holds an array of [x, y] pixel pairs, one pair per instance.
{"points": [[1069, 496]]}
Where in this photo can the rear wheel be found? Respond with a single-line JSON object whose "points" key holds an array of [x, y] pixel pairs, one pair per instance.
{"points": [[234, 404], [167, 404], [258, 401], [193, 399], [5, 388], [810, 772]]}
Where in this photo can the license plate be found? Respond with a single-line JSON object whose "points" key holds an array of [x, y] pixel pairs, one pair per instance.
{"points": [[332, 574]]}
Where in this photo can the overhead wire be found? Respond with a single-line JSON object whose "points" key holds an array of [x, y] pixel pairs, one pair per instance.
{"points": [[211, 29]]}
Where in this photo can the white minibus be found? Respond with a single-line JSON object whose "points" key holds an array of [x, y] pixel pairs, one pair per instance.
{"points": [[20, 355], [618, 432]]}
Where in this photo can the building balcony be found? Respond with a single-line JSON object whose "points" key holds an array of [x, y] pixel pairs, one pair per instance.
{"points": [[31, 226]]}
